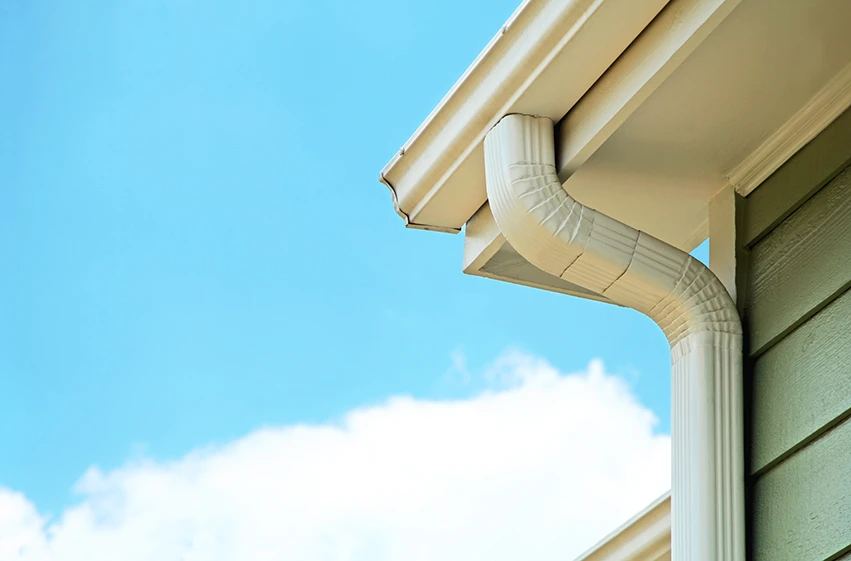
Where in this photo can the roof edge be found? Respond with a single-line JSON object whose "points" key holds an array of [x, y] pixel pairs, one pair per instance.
{"points": [[460, 83], [645, 536], [571, 43]]}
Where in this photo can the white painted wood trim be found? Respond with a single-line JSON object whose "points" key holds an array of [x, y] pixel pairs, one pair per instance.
{"points": [[559, 235], [824, 107], [482, 239], [645, 537], [722, 238], [640, 70]]}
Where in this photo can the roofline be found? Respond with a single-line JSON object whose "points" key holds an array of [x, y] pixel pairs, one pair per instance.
{"points": [[460, 83], [645, 536], [568, 44]]}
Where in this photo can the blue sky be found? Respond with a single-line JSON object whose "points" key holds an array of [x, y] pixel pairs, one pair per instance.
{"points": [[194, 243]]}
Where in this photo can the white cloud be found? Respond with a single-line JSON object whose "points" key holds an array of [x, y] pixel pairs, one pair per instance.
{"points": [[538, 468]]}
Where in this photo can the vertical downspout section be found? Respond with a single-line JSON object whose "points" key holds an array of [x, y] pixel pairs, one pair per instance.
{"points": [[564, 238]]}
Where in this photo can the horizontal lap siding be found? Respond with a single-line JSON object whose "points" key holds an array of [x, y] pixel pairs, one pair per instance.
{"points": [[802, 508], [801, 264], [797, 314], [801, 385]]}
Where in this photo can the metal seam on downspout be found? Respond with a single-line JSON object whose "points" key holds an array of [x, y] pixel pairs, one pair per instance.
{"points": [[559, 235]]}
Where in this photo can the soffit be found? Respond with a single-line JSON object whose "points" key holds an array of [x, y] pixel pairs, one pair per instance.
{"points": [[673, 122], [703, 127], [692, 96]]}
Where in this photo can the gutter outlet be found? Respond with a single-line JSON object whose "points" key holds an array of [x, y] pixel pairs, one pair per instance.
{"points": [[559, 235]]}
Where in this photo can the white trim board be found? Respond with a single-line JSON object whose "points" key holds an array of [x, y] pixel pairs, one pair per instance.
{"points": [[488, 254], [824, 107]]}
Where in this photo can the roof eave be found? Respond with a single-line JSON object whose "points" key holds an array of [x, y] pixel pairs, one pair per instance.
{"points": [[646, 536], [545, 44]]}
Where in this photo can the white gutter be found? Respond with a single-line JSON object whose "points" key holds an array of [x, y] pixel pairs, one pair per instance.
{"points": [[645, 537], [564, 238], [545, 46]]}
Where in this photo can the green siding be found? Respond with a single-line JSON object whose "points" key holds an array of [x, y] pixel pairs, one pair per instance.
{"points": [[794, 293], [801, 264], [801, 386], [803, 506]]}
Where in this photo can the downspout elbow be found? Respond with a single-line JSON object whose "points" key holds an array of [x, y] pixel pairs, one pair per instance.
{"points": [[561, 236]]}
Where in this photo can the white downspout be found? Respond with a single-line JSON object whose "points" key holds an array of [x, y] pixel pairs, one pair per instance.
{"points": [[564, 238]]}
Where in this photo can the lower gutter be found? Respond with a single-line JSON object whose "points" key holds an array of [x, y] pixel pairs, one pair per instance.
{"points": [[561, 236], [645, 537]]}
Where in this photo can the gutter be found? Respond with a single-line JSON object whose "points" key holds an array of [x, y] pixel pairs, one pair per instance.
{"points": [[409, 222], [645, 537], [436, 178], [682, 296]]}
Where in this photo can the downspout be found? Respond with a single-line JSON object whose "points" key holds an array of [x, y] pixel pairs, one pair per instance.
{"points": [[559, 235]]}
